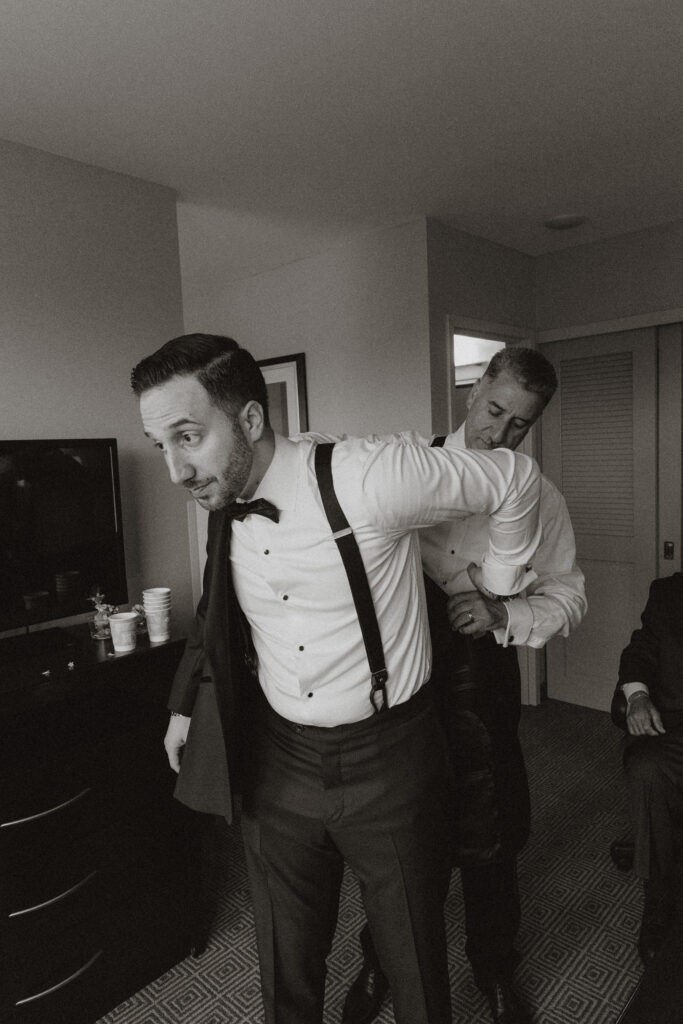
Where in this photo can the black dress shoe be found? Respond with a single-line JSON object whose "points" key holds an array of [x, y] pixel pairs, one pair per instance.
{"points": [[365, 997], [506, 1007]]}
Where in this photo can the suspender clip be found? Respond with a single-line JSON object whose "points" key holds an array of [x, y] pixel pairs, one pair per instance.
{"points": [[378, 691]]}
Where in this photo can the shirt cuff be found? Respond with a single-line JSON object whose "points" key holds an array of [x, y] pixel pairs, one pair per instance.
{"points": [[503, 580], [631, 688], [519, 624]]}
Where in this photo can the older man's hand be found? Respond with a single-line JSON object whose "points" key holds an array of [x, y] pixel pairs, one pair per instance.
{"points": [[642, 717], [474, 615]]}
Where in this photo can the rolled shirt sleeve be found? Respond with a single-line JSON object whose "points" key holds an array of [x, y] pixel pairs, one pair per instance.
{"points": [[555, 601], [411, 486]]}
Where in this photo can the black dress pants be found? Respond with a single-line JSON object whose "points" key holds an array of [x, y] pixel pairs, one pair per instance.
{"points": [[372, 794], [492, 917], [654, 774], [478, 690]]}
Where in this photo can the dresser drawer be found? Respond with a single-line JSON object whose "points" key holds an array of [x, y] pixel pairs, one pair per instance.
{"points": [[35, 785], [94, 894], [48, 851], [78, 997], [104, 980], [31, 972], [27, 927], [94, 967]]}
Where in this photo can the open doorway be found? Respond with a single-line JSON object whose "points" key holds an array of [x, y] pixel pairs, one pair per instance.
{"points": [[471, 356], [469, 346]]}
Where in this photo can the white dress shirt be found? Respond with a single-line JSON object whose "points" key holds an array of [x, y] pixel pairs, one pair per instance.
{"points": [[552, 604], [291, 582]]}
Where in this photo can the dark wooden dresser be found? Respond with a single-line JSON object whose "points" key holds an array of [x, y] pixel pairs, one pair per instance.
{"points": [[95, 898]]}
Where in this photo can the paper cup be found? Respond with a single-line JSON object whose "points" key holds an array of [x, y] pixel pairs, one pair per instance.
{"points": [[158, 624], [123, 627], [156, 592]]}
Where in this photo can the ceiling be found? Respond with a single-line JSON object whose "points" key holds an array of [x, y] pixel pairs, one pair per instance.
{"points": [[312, 118]]}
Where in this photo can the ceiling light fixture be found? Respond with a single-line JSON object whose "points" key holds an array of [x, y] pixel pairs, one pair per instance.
{"points": [[564, 222]]}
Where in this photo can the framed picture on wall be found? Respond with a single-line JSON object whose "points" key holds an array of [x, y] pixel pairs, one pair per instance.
{"points": [[285, 378]]}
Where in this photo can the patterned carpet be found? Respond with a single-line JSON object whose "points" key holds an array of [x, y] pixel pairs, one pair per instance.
{"points": [[578, 960]]}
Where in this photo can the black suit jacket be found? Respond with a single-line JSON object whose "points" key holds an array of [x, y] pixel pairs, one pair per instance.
{"points": [[478, 691], [654, 655], [212, 684]]}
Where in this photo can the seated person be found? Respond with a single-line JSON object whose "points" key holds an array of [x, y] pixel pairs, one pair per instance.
{"points": [[648, 703]]}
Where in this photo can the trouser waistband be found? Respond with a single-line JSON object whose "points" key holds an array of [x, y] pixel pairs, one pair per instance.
{"points": [[390, 716]]}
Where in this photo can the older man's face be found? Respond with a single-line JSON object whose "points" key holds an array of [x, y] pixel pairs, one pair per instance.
{"points": [[500, 412]]}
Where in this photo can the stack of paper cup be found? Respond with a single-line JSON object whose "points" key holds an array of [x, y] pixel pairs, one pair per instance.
{"points": [[157, 604]]}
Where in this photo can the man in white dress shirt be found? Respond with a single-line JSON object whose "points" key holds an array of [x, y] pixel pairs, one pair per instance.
{"points": [[477, 675], [326, 776]]}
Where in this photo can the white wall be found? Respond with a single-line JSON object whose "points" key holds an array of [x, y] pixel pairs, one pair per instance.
{"points": [[89, 284], [635, 274], [472, 279], [358, 312]]}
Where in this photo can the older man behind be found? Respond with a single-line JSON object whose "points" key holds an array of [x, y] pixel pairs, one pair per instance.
{"points": [[478, 680]]}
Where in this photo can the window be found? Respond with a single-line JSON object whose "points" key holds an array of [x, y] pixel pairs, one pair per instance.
{"points": [[471, 356]]}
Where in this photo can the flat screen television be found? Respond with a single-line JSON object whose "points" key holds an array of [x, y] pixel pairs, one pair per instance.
{"points": [[61, 536]]}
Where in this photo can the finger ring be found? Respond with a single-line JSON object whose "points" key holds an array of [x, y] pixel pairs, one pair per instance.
{"points": [[470, 617]]}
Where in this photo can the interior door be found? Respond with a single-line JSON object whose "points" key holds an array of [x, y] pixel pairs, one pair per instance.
{"points": [[600, 448]]}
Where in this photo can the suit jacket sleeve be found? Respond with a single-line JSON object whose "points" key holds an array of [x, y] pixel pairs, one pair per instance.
{"points": [[189, 672], [640, 659]]}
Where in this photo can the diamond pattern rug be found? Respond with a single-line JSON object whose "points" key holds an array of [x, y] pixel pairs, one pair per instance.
{"points": [[578, 959]]}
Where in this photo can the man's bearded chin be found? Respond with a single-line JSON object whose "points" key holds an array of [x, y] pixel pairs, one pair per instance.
{"points": [[232, 482]]}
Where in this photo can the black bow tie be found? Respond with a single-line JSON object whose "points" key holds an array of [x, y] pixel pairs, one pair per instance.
{"points": [[260, 507]]}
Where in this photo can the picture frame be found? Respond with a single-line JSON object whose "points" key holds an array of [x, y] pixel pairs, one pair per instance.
{"points": [[285, 378]]}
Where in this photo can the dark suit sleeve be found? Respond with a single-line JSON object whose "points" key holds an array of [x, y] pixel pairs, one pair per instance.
{"points": [[189, 672], [640, 660]]}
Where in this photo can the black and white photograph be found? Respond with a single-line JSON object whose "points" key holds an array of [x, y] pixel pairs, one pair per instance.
{"points": [[341, 474]]}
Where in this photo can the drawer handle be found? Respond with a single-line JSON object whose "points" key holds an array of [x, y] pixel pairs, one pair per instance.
{"points": [[61, 984], [43, 814], [55, 899]]}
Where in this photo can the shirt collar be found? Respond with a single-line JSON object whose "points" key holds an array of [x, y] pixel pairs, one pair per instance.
{"points": [[457, 439], [280, 482]]}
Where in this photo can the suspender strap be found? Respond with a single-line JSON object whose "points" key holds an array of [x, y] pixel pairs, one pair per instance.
{"points": [[355, 570], [437, 442]]}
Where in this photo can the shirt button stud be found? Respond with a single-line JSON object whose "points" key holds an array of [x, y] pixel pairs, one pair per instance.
{"points": [[285, 597]]}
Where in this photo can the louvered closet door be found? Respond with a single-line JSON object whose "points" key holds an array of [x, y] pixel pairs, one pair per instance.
{"points": [[599, 437]]}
